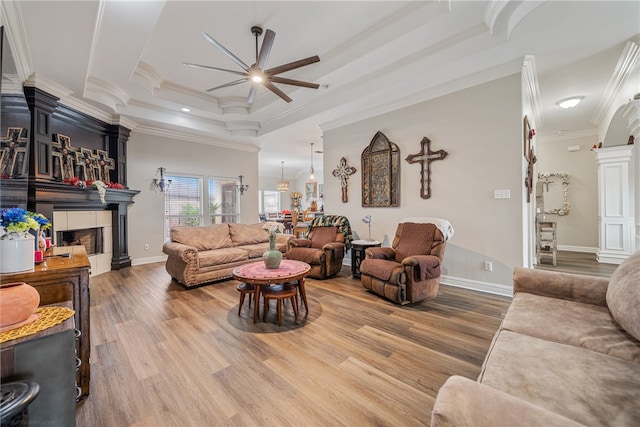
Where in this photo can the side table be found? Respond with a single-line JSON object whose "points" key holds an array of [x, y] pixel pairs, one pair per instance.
{"points": [[357, 254]]}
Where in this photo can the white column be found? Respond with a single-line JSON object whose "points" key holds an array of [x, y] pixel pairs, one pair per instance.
{"points": [[616, 206]]}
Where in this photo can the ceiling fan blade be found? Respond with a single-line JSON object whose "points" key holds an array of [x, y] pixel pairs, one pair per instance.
{"points": [[226, 51], [277, 91], [292, 65], [286, 81], [233, 83], [252, 94], [265, 49], [207, 67]]}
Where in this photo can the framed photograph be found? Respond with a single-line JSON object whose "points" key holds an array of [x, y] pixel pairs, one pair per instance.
{"points": [[311, 190]]}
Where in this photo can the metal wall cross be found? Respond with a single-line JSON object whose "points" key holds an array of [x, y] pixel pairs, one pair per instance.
{"points": [[343, 171], [425, 157], [64, 157], [13, 150], [105, 164]]}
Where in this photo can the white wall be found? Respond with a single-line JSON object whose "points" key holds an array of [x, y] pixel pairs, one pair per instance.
{"points": [[481, 129], [146, 153], [579, 230]]}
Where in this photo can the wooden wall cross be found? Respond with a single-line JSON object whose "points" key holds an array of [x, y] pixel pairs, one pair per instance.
{"points": [[343, 171], [64, 157], [106, 164], [425, 157], [88, 163], [13, 152]]}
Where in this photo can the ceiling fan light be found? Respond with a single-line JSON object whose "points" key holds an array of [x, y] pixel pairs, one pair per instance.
{"points": [[257, 78], [570, 102]]}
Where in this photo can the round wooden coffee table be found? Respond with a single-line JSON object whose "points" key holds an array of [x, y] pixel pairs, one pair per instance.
{"points": [[257, 274]]}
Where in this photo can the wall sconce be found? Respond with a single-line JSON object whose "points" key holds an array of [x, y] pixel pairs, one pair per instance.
{"points": [[242, 188], [160, 185], [367, 220]]}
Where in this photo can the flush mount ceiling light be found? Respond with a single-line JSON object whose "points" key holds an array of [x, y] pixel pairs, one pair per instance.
{"points": [[570, 102], [185, 109]]}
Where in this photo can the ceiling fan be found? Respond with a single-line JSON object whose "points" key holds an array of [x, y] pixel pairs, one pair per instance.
{"points": [[256, 72]]}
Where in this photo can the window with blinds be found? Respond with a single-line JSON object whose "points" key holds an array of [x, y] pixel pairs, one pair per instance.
{"points": [[223, 205], [186, 202], [183, 202]]}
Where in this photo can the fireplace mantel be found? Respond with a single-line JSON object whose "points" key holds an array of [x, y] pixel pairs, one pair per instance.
{"points": [[47, 197]]}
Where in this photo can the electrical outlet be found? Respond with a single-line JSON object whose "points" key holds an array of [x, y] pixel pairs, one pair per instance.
{"points": [[488, 266], [146, 246]]}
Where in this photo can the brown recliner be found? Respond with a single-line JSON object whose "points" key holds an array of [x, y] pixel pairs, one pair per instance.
{"points": [[324, 247], [408, 271]]}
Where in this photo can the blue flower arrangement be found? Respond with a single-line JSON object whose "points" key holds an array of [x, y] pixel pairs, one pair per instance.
{"points": [[20, 221]]}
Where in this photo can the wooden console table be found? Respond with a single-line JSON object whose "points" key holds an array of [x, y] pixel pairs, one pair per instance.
{"points": [[65, 278]]}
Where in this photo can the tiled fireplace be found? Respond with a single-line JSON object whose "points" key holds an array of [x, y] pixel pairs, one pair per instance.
{"points": [[83, 227]]}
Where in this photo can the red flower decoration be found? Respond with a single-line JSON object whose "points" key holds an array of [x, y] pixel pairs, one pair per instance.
{"points": [[115, 185]]}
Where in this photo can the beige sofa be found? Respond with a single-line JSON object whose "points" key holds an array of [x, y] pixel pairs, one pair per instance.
{"points": [[567, 353], [198, 255]]}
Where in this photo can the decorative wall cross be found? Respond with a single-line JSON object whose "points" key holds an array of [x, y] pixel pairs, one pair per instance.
{"points": [[343, 171], [529, 156], [105, 164], [64, 157], [425, 157], [88, 163], [14, 150]]}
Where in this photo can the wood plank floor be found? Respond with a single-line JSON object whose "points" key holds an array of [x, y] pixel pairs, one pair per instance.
{"points": [[163, 355], [578, 263]]}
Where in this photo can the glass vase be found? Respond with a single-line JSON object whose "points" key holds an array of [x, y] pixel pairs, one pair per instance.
{"points": [[272, 257]]}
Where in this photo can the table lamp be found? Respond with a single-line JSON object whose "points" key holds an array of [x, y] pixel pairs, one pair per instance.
{"points": [[367, 220]]}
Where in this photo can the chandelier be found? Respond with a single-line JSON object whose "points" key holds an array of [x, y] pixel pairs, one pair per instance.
{"points": [[242, 187], [283, 186]]}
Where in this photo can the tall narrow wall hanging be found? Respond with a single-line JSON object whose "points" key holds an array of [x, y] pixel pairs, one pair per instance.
{"points": [[381, 173], [343, 171], [529, 156], [425, 157]]}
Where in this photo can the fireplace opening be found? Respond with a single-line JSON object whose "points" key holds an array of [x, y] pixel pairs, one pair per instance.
{"points": [[90, 238]]}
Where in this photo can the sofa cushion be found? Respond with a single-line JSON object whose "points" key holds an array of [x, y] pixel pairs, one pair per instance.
{"points": [[569, 322], [221, 256], [247, 234], [382, 269], [256, 251], [623, 295], [586, 386], [203, 237]]}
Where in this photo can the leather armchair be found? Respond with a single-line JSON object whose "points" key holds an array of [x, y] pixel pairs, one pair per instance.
{"points": [[408, 271], [324, 247]]}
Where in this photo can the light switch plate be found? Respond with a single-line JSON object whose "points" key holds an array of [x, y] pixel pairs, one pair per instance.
{"points": [[502, 194]]}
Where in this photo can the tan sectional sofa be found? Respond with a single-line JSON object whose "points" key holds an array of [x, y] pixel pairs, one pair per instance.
{"points": [[567, 353], [198, 255]]}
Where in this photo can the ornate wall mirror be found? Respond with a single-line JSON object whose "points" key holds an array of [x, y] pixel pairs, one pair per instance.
{"points": [[554, 188]]}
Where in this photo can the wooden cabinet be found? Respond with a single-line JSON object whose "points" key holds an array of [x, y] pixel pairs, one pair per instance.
{"points": [[46, 358], [64, 276]]}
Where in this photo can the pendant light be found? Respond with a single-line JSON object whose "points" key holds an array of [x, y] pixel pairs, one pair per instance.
{"points": [[283, 186], [311, 176]]}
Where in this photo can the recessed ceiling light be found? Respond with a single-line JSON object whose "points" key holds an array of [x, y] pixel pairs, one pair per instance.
{"points": [[570, 102], [185, 109]]}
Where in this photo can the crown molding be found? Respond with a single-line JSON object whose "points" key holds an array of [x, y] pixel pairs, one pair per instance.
{"points": [[568, 135], [531, 88], [621, 73], [11, 19], [48, 85], [148, 76], [105, 92], [154, 131]]}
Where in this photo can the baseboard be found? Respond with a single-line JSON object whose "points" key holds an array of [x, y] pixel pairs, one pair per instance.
{"points": [[141, 261], [476, 285], [585, 249]]}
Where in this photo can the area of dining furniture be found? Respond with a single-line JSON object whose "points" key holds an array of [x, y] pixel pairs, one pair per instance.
{"points": [[257, 274]]}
